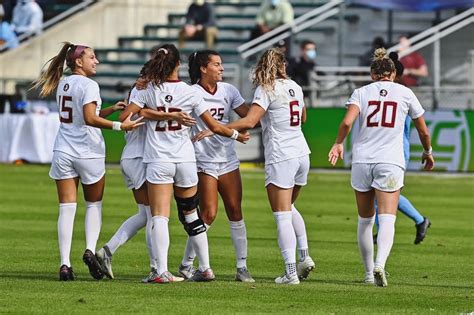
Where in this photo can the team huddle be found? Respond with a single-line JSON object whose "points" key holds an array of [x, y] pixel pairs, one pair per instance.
{"points": [[180, 143]]}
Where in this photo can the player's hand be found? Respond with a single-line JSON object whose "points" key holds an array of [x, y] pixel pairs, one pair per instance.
{"points": [[184, 119], [141, 83], [428, 161], [129, 124], [243, 137], [203, 134], [119, 106], [336, 152]]}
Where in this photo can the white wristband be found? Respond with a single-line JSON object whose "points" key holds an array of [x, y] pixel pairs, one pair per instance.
{"points": [[116, 125], [428, 152], [235, 134]]}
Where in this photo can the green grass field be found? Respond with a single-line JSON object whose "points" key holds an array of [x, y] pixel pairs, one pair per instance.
{"points": [[434, 277]]}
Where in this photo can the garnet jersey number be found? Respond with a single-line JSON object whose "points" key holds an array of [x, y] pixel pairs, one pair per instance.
{"points": [[388, 122], [66, 111]]}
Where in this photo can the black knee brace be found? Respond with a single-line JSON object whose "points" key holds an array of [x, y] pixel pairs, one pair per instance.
{"points": [[187, 204]]}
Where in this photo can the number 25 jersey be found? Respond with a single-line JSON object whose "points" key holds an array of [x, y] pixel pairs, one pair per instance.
{"points": [[74, 136], [383, 107], [281, 124]]}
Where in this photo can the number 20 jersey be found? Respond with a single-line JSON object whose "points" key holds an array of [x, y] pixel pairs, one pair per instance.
{"points": [[169, 141], [217, 148], [74, 136], [281, 124], [383, 107]]}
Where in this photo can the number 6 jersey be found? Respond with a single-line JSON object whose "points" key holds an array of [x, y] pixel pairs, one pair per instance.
{"points": [[383, 107], [281, 124], [74, 136], [169, 141]]}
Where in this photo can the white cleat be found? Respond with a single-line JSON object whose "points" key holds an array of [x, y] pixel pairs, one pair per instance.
{"points": [[369, 280], [105, 262], [380, 278], [304, 267], [243, 275], [285, 279], [187, 272]]}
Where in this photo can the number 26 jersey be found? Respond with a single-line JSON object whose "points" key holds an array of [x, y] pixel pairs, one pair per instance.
{"points": [[383, 107], [281, 124]]}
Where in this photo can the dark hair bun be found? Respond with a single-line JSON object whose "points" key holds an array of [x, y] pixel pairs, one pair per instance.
{"points": [[393, 55]]}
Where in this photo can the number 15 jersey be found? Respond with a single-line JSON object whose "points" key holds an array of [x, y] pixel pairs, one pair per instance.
{"points": [[281, 124], [383, 107]]}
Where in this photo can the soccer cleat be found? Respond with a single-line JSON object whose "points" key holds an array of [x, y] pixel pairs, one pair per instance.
{"points": [[105, 261], [369, 279], [66, 273], [421, 230], [286, 279], [380, 278], [243, 275], [304, 268], [93, 264], [203, 276], [165, 277], [152, 275], [186, 271]]}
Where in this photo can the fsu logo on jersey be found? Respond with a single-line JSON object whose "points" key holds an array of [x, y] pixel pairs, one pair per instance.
{"points": [[292, 93], [66, 87], [383, 92], [168, 98]]}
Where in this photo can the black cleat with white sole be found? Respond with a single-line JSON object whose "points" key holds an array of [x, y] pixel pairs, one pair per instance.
{"points": [[421, 230]]}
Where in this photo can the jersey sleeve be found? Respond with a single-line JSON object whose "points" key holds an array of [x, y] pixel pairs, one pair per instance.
{"points": [[261, 98], [415, 109], [235, 98], [199, 106], [138, 97], [354, 99], [91, 93]]}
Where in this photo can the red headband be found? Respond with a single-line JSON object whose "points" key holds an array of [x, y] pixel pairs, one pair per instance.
{"points": [[78, 51]]}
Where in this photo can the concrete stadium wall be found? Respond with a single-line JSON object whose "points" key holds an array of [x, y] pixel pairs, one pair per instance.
{"points": [[98, 26]]}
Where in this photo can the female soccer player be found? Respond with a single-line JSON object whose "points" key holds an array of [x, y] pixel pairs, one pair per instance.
{"points": [[278, 104], [377, 159], [79, 149], [217, 162], [170, 159]]}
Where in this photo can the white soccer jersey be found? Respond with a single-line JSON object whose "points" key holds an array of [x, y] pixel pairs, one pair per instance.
{"points": [[74, 136], [220, 103], [383, 107], [135, 139], [169, 141], [281, 124]]}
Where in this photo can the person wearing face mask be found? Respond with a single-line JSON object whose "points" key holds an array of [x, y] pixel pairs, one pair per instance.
{"points": [[27, 18], [200, 24], [299, 70], [272, 13]]}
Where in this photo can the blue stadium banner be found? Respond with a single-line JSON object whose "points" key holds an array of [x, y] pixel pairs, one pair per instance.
{"points": [[414, 5]]}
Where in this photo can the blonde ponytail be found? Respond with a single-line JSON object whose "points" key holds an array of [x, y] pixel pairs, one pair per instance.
{"points": [[382, 66], [269, 68]]}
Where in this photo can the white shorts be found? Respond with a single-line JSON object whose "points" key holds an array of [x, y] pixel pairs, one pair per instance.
{"points": [[287, 174], [217, 169], [133, 171], [381, 176], [180, 174], [64, 166]]}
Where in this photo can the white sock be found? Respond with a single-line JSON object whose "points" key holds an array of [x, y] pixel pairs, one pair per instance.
{"points": [[189, 252], [128, 229], [286, 237], [366, 243], [161, 242], [238, 232], [93, 222], [300, 231], [385, 237], [199, 243], [67, 212], [149, 225]]}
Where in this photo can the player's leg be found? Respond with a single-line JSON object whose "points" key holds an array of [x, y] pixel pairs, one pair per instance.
{"points": [[230, 189], [207, 188], [421, 223]]}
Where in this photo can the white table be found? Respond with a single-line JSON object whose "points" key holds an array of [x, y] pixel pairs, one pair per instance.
{"points": [[28, 137]]}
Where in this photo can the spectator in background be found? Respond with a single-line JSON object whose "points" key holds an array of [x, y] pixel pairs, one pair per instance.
{"points": [[299, 70], [272, 13], [8, 39], [414, 63], [200, 24], [366, 59], [27, 18]]}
